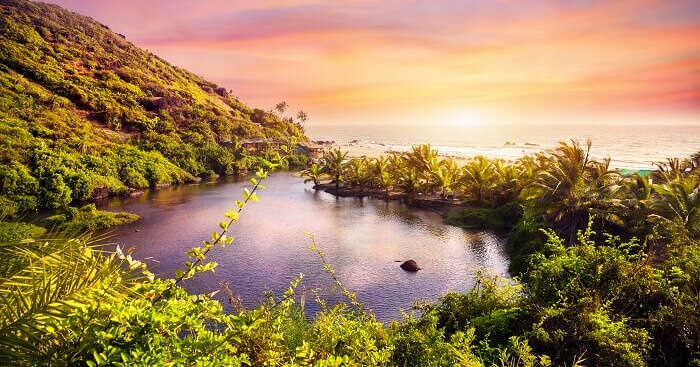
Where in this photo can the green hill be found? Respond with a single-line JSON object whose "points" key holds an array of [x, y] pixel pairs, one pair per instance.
{"points": [[83, 109]]}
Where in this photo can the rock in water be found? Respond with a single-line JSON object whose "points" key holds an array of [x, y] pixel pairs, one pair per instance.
{"points": [[410, 265]]}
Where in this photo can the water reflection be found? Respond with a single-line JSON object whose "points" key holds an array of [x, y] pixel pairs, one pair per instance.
{"points": [[362, 239]]}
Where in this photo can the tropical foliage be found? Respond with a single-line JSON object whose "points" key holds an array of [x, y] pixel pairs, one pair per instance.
{"points": [[560, 188], [596, 285], [84, 113], [598, 300]]}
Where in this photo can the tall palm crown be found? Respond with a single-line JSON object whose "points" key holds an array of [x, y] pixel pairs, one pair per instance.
{"points": [[478, 178], [678, 206], [333, 163], [357, 172], [445, 176], [563, 186], [422, 157], [380, 172]]}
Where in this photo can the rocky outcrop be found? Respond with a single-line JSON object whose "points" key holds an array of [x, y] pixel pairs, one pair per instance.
{"points": [[435, 202], [133, 193], [100, 193], [410, 265]]}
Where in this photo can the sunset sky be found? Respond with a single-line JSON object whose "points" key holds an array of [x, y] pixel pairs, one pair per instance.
{"points": [[434, 61]]}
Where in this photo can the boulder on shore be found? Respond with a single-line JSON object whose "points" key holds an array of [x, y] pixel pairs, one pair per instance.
{"points": [[134, 193], [410, 265]]}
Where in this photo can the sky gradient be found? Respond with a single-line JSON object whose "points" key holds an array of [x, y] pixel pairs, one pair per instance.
{"points": [[434, 61]]}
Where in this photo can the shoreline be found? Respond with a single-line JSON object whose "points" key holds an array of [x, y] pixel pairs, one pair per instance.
{"points": [[420, 201]]}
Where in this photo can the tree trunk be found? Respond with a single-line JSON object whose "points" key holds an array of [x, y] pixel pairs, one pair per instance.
{"points": [[572, 229]]}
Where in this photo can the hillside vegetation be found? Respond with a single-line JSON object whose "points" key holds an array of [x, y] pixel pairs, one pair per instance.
{"points": [[81, 109]]}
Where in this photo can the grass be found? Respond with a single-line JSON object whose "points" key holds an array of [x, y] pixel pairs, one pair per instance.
{"points": [[500, 218], [88, 219], [14, 231]]}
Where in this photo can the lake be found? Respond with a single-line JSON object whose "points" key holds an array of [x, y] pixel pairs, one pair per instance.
{"points": [[362, 239]]}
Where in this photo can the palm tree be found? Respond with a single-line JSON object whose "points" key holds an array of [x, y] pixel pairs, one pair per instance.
{"points": [[281, 107], [478, 178], [385, 180], [631, 207], [694, 162], [421, 157], [445, 176], [601, 176], [302, 116], [313, 174], [677, 204], [395, 163], [561, 188], [381, 174], [638, 186], [408, 180], [357, 172], [333, 164], [511, 179], [236, 147]]}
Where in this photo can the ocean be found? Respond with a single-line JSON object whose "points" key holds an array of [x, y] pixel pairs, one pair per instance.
{"points": [[633, 147]]}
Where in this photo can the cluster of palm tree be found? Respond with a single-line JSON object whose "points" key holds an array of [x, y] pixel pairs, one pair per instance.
{"points": [[564, 186], [422, 171]]}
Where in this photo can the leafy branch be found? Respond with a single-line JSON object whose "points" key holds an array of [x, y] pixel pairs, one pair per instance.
{"points": [[352, 297], [198, 254]]}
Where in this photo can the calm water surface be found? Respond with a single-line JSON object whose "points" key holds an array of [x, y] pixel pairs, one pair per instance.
{"points": [[362, 239]]}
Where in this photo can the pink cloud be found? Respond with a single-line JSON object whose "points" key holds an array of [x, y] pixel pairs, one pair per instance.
{"points": [[360, 57]]}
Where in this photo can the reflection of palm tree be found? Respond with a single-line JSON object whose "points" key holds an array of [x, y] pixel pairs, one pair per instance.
{"points": [[333, 163]]}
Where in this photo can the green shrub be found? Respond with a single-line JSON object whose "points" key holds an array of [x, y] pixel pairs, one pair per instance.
{"points": [[11, 232], [499, 218], [88, 219]]}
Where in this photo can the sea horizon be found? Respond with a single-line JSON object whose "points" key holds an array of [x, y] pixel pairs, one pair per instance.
{"points": [[628, 146]]}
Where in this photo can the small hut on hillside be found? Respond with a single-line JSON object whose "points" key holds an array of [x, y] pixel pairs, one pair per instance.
{"points": [[311, 149], [260, 144]]}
